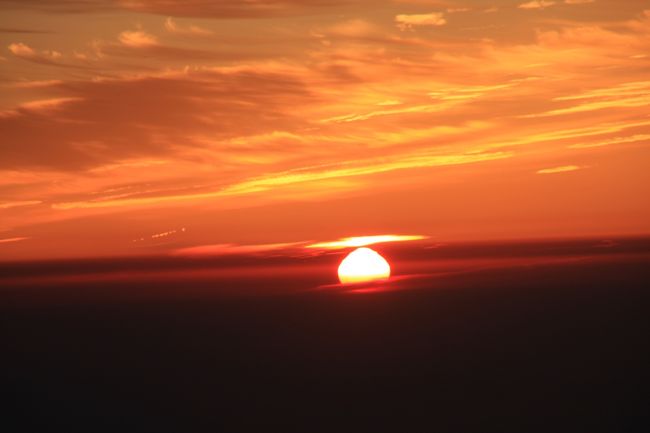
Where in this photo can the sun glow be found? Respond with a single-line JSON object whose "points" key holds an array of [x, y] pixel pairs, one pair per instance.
{"points": [[362, 241], [363, 265]]}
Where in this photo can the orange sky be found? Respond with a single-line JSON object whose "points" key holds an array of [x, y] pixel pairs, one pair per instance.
{"points": [[146, 126]]}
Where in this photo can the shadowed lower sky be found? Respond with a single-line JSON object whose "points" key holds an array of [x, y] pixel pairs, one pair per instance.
{"points": [[145, 126]]}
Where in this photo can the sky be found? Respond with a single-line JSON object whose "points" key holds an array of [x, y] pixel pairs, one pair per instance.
{"points": [[133, 127]]}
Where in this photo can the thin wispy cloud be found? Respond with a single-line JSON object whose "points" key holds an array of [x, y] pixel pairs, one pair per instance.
{"points": [[410, 22], [536, 4], [173, 27], [362, 241], [560, 169], [14, 204], [24, 51], [11, 240], [137, 39]]}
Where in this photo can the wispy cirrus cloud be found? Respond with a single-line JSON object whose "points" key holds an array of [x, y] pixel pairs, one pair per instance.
{"points": [[306, 175], [14, 204], [192, 30], [234, 249], [623, 95], [409, 22], [11, 240], [39, 107], [61, 6], [220, 9], [113, 119], [232, 8], [614, 140], [536, 4], [560, 169], [137, 43], [23, 30], [544, 4]]}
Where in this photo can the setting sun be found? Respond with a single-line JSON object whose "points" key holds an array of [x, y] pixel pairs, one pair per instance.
{"points": [[363, 265]]}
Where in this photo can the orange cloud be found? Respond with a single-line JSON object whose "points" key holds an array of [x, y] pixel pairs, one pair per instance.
{"points": [[354, 28], [231, 249], [272, 182], [12, 204], [10, 240], [113, 119], [193, 30], [227, 9], [28, 53], [230, 8], [21, 50], [137, 39], [141, 45], [536, 4], [616, 140], [408, 22], [561, 169]]}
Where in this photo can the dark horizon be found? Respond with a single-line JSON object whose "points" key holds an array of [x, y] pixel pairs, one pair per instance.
{"points": [[507, 337], [402, 255]]}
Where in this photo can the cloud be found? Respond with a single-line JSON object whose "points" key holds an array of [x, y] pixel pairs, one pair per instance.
{"points": [[137, 39], [92, 123], [222, 9], [362, 241], [139, 44], [624, 95], [578, 2], [44, 57], [274, 181], [561, 169], [35, 84], [355, 28], [13, 204], [453, 10], [10, 240], [233, 249], [408, 22], [42, 105], [536, 4], [616, 140], [21, 50], [60, 6], [192, 30], [232, 8], [22, 30], [635, 88]]}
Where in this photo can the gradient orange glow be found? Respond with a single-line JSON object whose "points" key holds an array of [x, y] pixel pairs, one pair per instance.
{"points": [[230, 125]]}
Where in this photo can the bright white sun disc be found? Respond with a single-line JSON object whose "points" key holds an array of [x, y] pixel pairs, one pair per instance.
{"points": [[363, 265]]}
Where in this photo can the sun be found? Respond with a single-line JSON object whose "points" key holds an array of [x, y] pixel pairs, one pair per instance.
{"points": [[363, 265]]}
